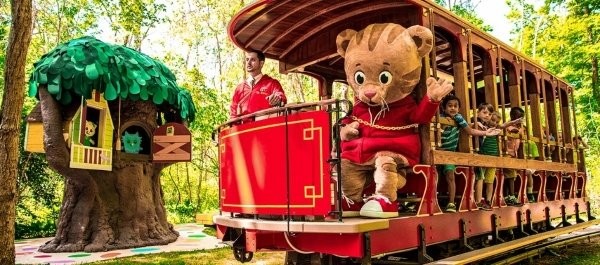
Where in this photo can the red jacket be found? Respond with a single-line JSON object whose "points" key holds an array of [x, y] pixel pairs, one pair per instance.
{"points": [[248, 99], [405, 143]]}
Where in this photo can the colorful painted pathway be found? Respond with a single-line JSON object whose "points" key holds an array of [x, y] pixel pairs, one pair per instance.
{"points": [[190, 238]]}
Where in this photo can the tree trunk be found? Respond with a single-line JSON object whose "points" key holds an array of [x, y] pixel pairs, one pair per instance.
{"points": [[595, 88], [105, 210], [592, 40], [10, 118]]}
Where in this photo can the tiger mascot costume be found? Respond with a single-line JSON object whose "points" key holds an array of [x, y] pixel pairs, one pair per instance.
{"points": [[380, 139]]}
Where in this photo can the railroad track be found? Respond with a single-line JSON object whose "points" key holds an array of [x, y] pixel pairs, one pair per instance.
{"points": [[517, 250]]}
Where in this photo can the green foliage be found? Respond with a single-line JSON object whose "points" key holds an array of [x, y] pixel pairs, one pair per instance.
{"points": [[39, 192], [4, 27], [466, 10], [35, 229], [564, 36], [182, 213], [131, 20], [77, 67]]}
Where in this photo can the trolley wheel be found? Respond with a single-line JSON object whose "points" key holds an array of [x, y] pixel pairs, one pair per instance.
{"points": [[242, 255]]}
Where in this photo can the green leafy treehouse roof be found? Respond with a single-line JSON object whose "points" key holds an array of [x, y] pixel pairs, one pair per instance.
{"points": [[75, 68]]}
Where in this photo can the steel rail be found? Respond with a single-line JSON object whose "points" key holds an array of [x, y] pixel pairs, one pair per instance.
{"points": [[511, 246]]}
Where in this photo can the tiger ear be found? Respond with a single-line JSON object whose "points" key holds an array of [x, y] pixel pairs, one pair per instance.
{"points": [[343, 40], [422, 37]]}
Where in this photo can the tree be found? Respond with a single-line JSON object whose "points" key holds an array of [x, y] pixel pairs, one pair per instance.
{"points": [[122, 208], [10, 113], [466, 10], [132, 18], [566, 42]]}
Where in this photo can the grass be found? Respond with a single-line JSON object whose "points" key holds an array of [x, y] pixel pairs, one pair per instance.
{"points": [[579, 253], [202, 257]]}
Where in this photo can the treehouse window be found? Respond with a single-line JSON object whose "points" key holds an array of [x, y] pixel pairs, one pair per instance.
{"points": [[91, 127], [135, 140]]}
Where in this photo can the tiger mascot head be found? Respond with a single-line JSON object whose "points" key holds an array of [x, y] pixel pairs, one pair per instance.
{"points": [[383, 61]]}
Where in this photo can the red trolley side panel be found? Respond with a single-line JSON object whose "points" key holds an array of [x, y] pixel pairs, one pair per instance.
{"points": [[254, 161]]}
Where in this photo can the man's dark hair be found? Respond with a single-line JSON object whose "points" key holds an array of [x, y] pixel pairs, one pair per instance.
{"points": [[447, 99], [259, 54]]}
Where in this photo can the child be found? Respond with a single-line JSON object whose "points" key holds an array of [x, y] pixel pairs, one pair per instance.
{"points": [[533, 153], [450, 106], [512, 149], [489, 146], [549, 150]]}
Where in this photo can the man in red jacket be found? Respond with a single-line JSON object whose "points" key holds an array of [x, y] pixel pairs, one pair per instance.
{"points": [[258, 92]]}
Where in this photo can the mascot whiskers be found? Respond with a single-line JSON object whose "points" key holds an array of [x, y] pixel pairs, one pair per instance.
{"points": [[380, 139]]}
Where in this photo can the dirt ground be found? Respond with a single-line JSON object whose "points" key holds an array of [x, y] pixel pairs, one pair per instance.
{"points": [[582, 252]]}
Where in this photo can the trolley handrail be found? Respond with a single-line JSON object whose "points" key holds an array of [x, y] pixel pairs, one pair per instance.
{"points": [[291, 106]]}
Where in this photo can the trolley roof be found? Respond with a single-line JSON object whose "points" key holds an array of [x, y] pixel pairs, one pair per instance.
{"points": [[301, 34]]}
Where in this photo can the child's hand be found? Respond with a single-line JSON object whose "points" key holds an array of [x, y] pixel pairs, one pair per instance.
{"points": [[349, 132], [516, 122], [492, 132]]}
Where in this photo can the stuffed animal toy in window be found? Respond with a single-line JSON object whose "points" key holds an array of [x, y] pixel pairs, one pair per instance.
{"points": [[90, 131], [132, 143], [380, 139]]}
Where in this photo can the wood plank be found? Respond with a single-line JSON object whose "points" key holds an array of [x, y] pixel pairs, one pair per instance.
{"points": [[491, 92], [349, 225], [171, 157], [447, 121], [172, 139], [462, 93], [466, 159], [515, 95]]}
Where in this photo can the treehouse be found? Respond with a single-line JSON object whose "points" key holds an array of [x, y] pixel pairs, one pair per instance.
{"points": [[117, 97], [95, 82], [91, 135]]}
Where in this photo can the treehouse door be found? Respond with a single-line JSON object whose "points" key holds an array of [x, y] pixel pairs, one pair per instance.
{"points": [[92, 135], [172, 142]]}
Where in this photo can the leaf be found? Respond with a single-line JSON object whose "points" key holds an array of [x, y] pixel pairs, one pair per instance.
{"points": [[68, 71], [67, 84], [157, 98], [102, 57], [124, 90], [54, 86], [66, 98], [79, 56], [43, 78], [33, 88], [91, 72], [140, 81], [144, 93], [110, 93], [134, 88]]}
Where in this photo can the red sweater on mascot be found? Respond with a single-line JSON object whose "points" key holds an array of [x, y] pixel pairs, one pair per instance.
{"points": [[383, 65]]}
